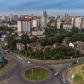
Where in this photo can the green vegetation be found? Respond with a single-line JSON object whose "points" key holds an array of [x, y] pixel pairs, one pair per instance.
{"points": [[36, 74], [79, 79], [78, 72], [5, 30], [60, 52], [11, 41], [47, 51]]}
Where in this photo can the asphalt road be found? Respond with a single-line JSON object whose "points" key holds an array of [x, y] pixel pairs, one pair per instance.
{"points": [[15, 76]]}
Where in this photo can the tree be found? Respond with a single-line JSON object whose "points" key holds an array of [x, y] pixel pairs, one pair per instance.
{"points": [[25, 40], [11, 41], [78, 37], [34, 39]]}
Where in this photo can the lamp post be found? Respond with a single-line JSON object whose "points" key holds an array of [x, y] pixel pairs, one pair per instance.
{"points": [[44, 53], [76, 46], [32, 72]]}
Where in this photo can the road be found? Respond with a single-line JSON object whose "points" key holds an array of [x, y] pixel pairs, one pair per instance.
{"points": [[15, 76]]}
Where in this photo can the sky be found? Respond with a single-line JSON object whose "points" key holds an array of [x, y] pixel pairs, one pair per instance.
{"points": [[54, 7]]}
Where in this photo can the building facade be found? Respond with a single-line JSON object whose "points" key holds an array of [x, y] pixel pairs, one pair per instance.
{"points": [[24, 25], [77, 23], [44, 19]]}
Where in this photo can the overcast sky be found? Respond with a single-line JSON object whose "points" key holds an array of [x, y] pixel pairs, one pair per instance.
{"points": [[54, 7]]}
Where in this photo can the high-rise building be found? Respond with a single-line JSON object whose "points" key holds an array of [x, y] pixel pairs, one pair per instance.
{"points": [[77, 23], [82, 23], [24, 25], [44, 19], [73, 21], [36, 22]]}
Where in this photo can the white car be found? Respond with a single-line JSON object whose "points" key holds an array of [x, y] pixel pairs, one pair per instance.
{"points": [[56, 74], [77, 61], [29, 62], [66, 82]]}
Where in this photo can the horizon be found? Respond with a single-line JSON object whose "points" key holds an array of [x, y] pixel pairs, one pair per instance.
{"points": [[51, 12]]}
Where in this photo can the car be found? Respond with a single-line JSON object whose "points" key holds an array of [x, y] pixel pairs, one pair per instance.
{"points": [[29, 62], [56, 74], [66, 82], [76, 62]]}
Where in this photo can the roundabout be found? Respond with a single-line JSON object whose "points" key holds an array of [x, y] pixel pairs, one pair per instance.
{"points": [[36, 74]]}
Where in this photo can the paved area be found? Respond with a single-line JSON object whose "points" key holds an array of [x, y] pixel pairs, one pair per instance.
{"points": [[15, 76]]}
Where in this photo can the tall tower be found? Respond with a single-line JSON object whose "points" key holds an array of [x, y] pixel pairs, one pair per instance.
{"points": [[44, 19]]}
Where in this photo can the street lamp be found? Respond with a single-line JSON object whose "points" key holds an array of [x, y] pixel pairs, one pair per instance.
{"points": [[32, 72], [44, 53]]}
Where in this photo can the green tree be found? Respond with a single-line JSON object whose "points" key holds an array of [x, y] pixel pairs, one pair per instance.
{"points": [[11, 41], [25, 40]]}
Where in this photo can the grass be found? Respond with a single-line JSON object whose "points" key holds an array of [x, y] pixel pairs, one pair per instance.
{"points": [[4, 70], [78, 72], [37, 74]]}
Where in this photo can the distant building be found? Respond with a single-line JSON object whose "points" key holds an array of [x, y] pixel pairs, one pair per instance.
{"points": [[24, 25], [35, 47], [36, 23], [20, 46], [38, 33], [72, 21], [58, 23], [67, 26], [44, 19], [82, 23], [79, 46], [77, 23], [53, 23]]}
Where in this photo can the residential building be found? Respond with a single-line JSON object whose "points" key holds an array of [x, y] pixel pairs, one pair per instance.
{"points": [[67, 26], [82, 23], [38, 32], [78, 21], [20, 46], [58, 22], [36, 22], [72, 21], [24, 25]]}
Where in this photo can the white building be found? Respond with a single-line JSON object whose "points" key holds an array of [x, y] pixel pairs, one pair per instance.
{"points": [[38, 33], [20, 46], [24, 25], [67, 26], [77, 23], [72, 21], [82, 24], [58, 23], [36, 23]]}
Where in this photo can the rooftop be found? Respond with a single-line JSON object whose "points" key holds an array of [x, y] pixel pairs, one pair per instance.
{"points": [[25, 19]]}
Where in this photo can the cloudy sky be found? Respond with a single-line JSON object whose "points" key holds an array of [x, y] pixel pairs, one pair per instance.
{"points": [[75, 7]]}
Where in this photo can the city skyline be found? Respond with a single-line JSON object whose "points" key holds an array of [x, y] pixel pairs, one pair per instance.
{"points": [[54, 7]]}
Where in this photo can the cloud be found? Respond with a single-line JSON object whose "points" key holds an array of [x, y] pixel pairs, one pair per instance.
{"points": [[55, 6], [40, 4]]}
